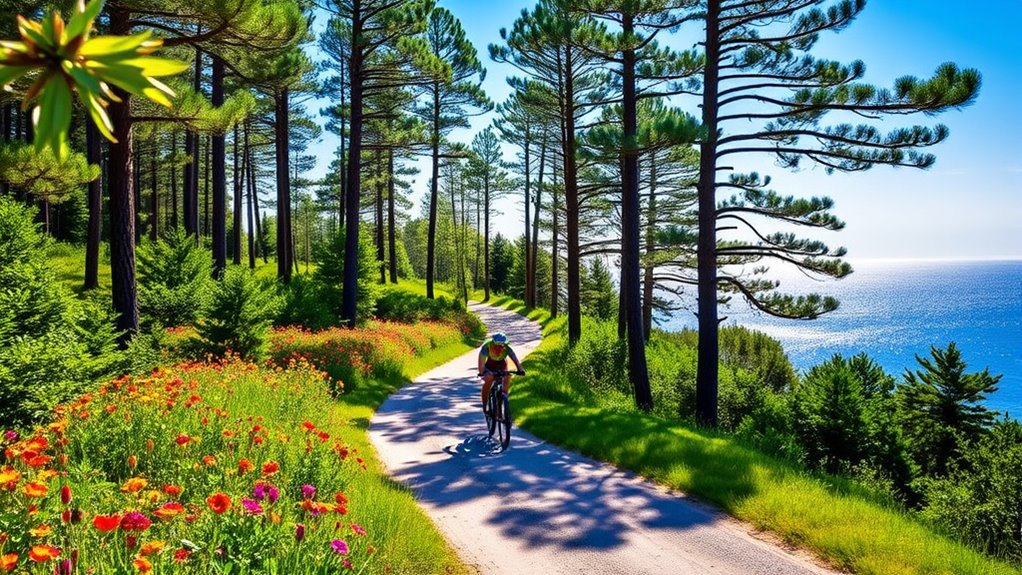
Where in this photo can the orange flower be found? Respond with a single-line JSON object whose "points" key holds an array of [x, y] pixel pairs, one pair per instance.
{"points": [[38, 443], [9, 478], [41, 531], [168, 511], [172, 490], [111, 408], [106, 523], [134, 485], [219, 502], [308, 425], [36, 489], [39, 460], [149, 445], [142, 564], [132, 462], [42, 553], [270, 468], [8, 562], [341, 498], [151, 548], [244, 466]]}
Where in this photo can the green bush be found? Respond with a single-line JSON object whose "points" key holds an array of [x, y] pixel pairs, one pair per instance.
{"points": [[981, 502], [52, 346], [238, 316], [174, 279], [306, 303], [330, 273]]}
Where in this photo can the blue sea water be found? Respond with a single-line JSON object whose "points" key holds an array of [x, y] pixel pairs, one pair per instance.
{"points": [[895, 309]]}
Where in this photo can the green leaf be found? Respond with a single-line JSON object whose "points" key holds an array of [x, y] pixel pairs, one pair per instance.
{"points": [[9, 74], [152, 66], [82, 20], [52, 117], [103, 48]]}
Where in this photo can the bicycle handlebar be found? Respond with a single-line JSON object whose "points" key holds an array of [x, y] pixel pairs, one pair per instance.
{"points": [[501, 372]]}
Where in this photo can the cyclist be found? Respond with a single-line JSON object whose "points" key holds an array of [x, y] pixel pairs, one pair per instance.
{"points": [[493, 356]]}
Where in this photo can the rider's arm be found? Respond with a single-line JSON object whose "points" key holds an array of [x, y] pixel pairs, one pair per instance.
{"points": [[514, 358], [482, 360]]}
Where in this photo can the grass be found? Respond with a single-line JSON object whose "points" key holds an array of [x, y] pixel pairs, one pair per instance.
{"points": [[841, 522]]}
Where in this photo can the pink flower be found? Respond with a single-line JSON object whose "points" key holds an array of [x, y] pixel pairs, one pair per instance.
{"points": [[358, 529], [299, 532], [340, 546], [308, 491], [252, 507], [264, 491], [135, 521]]}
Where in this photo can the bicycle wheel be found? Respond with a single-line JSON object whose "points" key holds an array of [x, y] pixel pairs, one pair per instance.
{"points": [[491, 405], [504, 421]]}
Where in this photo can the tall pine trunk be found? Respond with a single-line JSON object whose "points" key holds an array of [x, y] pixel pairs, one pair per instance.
{"points": [[219, 168], [530, 296], [238, 203], [706, 369], [246, 176], [154, 200], [285, 246], [434, 183], [191, 170], [531, 273], [381, 248], [631, 230], [651, 222], [349, 295], [122, 203], [554, 259], [391, 217], [173, 181]]}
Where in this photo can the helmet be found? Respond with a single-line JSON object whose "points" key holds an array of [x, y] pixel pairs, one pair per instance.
{"points": [[499, 337]]}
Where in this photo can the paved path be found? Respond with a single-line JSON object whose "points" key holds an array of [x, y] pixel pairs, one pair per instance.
{"points": [[538, 509]]}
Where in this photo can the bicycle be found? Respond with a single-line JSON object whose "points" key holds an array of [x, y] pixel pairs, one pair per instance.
{"points": [[498, 408]]}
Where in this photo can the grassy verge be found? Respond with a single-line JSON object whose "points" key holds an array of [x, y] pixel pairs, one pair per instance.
{"points": [[839, 521]]}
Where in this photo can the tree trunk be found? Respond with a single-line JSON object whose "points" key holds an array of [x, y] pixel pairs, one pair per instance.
{"points": [[463, 262], [193, 149], [555, 261], [631, 230], [381, 248], [486, 238], [706, 371], [344, 175], [434, 183], [238, 202], [205, 193], [391, 219], [530, 296], [94, 155], [246, 176], [136, 185], [531, 273], [154, 200], [651, 223], [349, 295], [122, 207], [571, 206], [219, 168], [284, 232], [173, 181]]}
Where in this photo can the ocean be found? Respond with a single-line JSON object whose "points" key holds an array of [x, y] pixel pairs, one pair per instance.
{"points": [[896, 309]]}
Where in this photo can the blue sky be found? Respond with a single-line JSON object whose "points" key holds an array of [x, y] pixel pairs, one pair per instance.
{"points": [[969, 205]]}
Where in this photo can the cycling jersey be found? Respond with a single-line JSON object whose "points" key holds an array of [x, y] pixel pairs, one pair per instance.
{"points": [[498, 361]]}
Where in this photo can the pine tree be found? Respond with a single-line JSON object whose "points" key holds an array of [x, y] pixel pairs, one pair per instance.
{"points": [[760, 54]]}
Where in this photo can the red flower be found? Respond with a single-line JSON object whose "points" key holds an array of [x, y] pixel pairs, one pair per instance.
{"points": [[132, 462], [142, 564], [106, 523], [182, 439], [181, 555], [219, 502], [8, 562], [209, 460], [244, 466], [270, 468], [172, 490], [65, 495], [308, 425], [135, 521]]}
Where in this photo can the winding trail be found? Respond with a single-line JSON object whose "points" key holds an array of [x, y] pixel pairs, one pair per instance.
{"points": [[538, 509]]}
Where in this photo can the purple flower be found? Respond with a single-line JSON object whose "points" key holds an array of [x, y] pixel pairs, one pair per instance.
{"points": [[358, 529], [11, 435], [264, 491], [252, 507], [340, 547], [308, 491], [299, 532]]}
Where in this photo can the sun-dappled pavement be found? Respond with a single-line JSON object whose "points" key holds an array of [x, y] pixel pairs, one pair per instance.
{"points": [[536, 508]]}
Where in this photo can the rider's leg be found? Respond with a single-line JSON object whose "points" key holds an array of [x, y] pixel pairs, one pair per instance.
{"points": [[507, 384], [487, 383]]}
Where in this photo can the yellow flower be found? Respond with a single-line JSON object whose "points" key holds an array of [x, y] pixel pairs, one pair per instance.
{"points": [[41, 531]]}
